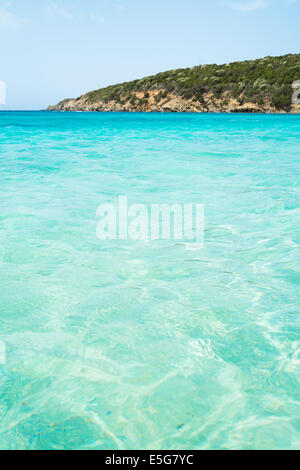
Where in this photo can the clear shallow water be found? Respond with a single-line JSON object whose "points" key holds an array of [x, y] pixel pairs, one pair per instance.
{"points": [[125, 345]]}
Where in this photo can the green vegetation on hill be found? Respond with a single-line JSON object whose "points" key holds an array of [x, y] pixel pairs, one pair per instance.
{"points": [[252, 80], [259, 81]]}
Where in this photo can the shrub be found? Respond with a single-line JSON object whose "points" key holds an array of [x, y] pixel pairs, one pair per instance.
{"points": [[259, 80]]}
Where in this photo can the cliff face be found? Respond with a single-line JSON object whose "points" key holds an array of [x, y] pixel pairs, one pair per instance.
{"points": [[171, 103], [262, 86]]}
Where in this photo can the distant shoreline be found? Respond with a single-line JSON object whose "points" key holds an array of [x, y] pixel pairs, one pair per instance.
{"points": [[271, 113], [269, 85], [278, 113]]}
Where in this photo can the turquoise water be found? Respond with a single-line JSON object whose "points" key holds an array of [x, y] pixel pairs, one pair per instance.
{"points": [[132, 345]]}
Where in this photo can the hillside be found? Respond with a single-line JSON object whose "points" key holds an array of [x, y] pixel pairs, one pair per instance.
{"points": [[263, 85]]}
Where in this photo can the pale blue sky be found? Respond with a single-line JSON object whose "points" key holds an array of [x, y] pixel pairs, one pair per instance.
{"points": [[53, 49]]}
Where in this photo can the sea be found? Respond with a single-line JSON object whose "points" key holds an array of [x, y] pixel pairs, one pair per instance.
{"points": [[144, 344]]}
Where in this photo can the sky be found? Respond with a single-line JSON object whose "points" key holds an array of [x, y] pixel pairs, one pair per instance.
{"points": [[56, 49]]}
